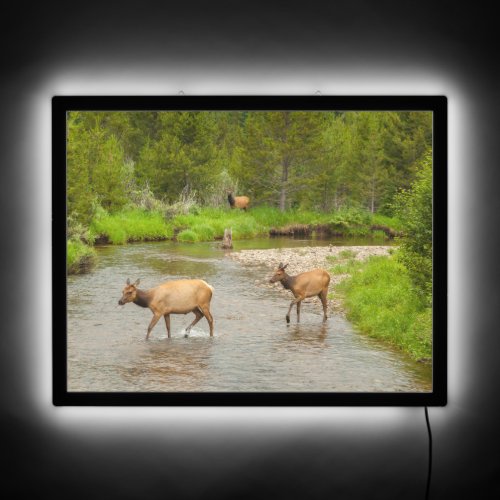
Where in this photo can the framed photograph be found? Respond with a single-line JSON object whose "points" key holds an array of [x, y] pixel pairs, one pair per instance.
{"points": [[249, 250]]}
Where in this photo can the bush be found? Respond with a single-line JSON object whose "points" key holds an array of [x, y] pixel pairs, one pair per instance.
{"points": [[145, 199], [80, 257], [215, 195], [78, 232], [186, 204], [414, 208]]}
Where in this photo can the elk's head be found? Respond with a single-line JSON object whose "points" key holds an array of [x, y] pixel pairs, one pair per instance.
{"points": [[129, 292], [279, 274]]}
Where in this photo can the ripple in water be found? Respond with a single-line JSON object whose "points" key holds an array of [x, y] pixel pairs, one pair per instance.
{"points": [[253, 349]]}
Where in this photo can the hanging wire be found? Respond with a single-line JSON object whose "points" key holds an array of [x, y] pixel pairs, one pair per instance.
{"points": [[429, 470]]}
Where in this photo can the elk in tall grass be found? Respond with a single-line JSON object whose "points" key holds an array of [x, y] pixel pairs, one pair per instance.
{"points": [[172, 297], [241, 202], [304, 285]]}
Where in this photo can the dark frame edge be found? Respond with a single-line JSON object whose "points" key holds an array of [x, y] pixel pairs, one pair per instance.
{"points": [[440, 249], [59, 343], [62, 104]]}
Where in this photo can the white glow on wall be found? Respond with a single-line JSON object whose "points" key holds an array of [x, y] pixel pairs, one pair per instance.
{"points": [[262, 81]]}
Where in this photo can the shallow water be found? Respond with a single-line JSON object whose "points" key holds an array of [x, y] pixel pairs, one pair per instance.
{"points": [[253, 349]]}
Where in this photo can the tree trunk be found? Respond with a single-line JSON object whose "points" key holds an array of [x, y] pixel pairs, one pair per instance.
{"points": [[227, 241], [284, 180]]}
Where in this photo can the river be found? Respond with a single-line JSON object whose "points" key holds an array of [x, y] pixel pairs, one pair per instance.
{"points": [[252, 350]]}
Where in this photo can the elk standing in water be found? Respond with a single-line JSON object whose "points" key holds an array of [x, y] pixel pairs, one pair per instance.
{"points": [[173, 297], [238, 201], [304, 285]]}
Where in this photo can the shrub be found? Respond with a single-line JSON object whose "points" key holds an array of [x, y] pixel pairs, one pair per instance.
{"points": [[78, 232], [80, 258], [215, 195], [414, 208], [186, 204]]}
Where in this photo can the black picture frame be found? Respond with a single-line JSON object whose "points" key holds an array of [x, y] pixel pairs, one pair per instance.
{"points": [[61, 105]]}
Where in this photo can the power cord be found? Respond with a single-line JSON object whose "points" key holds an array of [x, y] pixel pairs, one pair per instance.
{"points": [[430, 454]]}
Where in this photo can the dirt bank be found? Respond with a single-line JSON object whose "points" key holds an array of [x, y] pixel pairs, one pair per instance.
{"points": [[304, 259]]}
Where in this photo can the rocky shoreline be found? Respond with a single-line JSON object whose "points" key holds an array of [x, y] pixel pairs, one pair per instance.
{"points": [[302, 259]]}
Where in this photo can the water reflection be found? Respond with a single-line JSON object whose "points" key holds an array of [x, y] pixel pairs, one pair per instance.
{"points": [[307, 333], [176, 364]]}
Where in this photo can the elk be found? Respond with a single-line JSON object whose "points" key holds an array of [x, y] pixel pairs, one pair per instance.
{"points": [[303, 285], [172, 297], [241, 202]]}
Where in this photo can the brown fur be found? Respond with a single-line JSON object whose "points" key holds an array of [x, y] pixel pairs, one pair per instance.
{"points": [[304, 285], [172, 297], [241, 202]]}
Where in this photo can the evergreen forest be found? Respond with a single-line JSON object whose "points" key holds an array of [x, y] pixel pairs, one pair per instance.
{"points": [[315, 161]]}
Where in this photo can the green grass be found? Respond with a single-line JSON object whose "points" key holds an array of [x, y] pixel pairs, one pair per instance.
{"points": [[80, 257], [187, 235], [130, 225], [209, 223], [383, 220], [380, 300], [347, 254]]}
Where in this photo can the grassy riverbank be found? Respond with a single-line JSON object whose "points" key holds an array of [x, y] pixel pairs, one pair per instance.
{"points": [[128, 226], [380, 300], [208, 224], [80, 257]]}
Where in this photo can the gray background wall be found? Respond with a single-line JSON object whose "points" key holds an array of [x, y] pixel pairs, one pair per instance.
{"points": [[351, 47]]}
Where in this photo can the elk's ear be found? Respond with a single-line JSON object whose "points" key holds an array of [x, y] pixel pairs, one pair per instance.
{"points": [[137, 281], [128, 281], [283, 267], [280, 265]]}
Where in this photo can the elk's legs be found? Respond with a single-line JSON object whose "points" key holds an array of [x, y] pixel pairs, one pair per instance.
{"points": [[323, 296], [198, 315], [296, 301], [210, 319], [155, 319], [167, 323]]}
